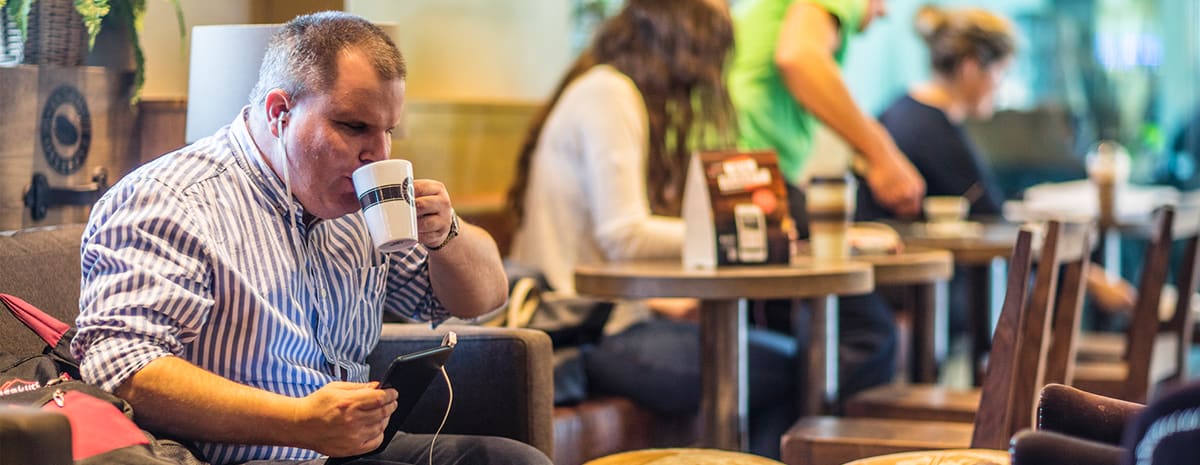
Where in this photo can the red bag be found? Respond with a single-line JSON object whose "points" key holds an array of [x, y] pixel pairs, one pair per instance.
{"points": [[102, 427]]}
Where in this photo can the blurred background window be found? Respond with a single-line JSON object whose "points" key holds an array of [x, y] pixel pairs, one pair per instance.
{"points": [[1085, 70]]}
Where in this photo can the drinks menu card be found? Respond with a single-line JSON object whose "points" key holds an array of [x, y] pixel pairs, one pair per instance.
{"points": [[735, 209]]}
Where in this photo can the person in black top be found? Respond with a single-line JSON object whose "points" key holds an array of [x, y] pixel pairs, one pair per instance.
{"points": [[969, 49]]}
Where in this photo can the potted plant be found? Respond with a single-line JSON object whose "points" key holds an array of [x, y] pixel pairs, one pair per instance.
{"points": [[93, 15]]}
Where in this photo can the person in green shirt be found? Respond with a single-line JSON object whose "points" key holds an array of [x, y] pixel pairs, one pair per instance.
{"points": [[784, 81]]}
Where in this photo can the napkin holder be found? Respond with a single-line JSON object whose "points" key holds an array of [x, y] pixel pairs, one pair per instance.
{"points": [[735, 210]]}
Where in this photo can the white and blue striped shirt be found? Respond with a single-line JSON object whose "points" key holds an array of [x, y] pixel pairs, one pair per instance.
{"points": [[193, 255]]}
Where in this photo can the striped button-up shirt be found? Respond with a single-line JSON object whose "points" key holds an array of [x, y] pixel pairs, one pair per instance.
{"points": [[194, 255]]}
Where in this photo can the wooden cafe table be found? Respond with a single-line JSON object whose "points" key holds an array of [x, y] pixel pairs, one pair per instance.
{"points": [[982, 252], [925, 271], [722, 292]]}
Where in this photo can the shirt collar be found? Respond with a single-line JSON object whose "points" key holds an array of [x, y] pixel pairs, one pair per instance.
{"points": [[252, 161]]}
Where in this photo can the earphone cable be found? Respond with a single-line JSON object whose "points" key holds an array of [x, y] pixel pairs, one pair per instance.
{"points": [[445, 417]]}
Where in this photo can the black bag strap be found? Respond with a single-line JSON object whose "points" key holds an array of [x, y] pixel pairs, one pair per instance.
{"points": [[56, 334]]}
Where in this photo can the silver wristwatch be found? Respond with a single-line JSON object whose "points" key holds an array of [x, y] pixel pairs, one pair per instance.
{"points": [[450, 235]]}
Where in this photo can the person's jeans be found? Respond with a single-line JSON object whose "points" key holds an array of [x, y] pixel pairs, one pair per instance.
{"points": [[656, 364], [413, 449], [866, 343]]}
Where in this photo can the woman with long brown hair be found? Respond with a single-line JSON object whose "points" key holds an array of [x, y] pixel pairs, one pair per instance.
{"points": [[600, 178]]}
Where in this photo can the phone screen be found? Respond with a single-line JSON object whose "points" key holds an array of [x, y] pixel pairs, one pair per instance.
{"points": [[412, 372]]}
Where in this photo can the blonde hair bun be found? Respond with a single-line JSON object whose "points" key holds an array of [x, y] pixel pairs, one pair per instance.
{"points": [[930, 21]]}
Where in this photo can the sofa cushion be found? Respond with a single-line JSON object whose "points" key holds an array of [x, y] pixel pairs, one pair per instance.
{"points": [[41, 266]]}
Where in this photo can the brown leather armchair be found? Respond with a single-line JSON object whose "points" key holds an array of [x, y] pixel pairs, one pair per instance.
{"points": [[1079, 427]]}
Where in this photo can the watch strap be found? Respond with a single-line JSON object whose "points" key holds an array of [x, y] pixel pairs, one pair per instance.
{"points": [[450, 235]]}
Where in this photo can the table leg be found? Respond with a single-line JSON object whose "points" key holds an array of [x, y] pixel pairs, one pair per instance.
{"points": [[724, 404], [1110, 258], [980, 318], [821, 379], [930, 315]]}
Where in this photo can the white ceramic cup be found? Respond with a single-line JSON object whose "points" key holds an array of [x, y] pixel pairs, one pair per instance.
{"points": [[946, 208], [385, 194]]}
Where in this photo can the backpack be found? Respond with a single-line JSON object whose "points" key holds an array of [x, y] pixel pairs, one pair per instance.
{"points": [[572, 322], [102, 427]]}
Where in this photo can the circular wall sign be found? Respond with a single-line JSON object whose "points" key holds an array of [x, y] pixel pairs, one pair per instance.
{"points": [[65, 130]]}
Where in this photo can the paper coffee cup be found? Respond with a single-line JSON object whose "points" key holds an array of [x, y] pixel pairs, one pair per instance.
{"points": [[385, 194], [830, 202]]}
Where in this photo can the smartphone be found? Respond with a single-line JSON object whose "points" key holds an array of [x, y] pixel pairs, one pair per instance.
{"points": [[410, 375]]}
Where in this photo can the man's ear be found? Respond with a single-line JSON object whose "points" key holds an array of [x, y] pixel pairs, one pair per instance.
{"points": [[277, 104]]}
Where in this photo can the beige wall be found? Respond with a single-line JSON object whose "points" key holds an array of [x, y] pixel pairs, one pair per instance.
{"points": [[166, 57], [478, 49], [457, 49]]}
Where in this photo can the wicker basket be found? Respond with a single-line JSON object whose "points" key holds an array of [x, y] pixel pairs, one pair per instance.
{"points": [[11, 45], [57, 35]]}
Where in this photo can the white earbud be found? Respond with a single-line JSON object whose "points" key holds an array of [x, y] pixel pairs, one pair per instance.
{"points": [[279, 123]]}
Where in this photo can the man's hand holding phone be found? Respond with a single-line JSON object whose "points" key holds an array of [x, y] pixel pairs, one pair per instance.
{"points": [[403, 384], [344, 418]]}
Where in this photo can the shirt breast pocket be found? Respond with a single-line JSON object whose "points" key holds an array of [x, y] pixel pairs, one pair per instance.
{"points": [[362, 311], [368, 291]]}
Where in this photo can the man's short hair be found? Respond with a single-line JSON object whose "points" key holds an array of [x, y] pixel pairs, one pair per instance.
{"points": [[302, 55]]}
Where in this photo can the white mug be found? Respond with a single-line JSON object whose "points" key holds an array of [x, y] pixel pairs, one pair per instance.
{"points": [[385, 194]]}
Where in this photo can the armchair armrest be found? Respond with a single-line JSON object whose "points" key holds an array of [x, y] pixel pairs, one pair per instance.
{"points": [[502, 379], [30, 436], [1070, 411], [1049, 448]]}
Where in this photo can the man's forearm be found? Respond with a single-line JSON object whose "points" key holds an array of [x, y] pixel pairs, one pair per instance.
{"points": [[173, 396], [814, 81], [468, 275], [804, 52]]}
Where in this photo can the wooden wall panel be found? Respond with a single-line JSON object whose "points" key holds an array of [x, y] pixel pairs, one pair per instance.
{"points": [[280, 11], [161, 126], [105, 96], [18, 125], [472, 148], [469, 146]]}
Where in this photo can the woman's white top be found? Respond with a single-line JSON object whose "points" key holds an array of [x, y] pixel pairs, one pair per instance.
{"points": [[586, 201]]}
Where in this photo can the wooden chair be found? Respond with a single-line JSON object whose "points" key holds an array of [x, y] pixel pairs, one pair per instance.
{"points": [[1013, 378], [1110, 347], [1152, 351], [942, 403]]}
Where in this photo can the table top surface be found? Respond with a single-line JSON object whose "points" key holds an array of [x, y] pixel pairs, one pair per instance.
{"points": [[669, 278], [990, 240], [1186, 224], [913, 265]]}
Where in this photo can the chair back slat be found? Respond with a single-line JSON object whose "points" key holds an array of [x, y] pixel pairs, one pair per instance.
{"points": [[991, 430], [1144, 325], [1029, 361], [1187, 279], [1060, 361]]}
